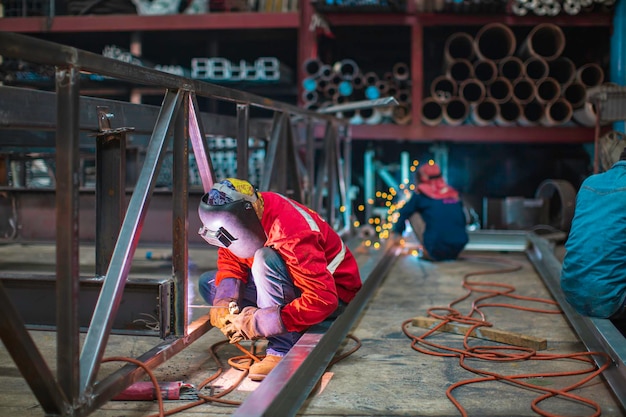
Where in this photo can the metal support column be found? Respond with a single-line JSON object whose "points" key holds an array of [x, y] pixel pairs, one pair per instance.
{"points": [[405, 163], [180, 201], [110, 188], [67, 241], [243, 113]]}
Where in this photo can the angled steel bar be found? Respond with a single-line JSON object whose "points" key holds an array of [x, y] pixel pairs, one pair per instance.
{"points": [[243, 135], [285, 389], [28, 359], [180, 201], [67, 247], [107, 305], [362, 104], [199, 146]]}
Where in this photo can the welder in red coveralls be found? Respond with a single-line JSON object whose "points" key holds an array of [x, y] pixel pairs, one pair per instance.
{"points": [[279, 261]]}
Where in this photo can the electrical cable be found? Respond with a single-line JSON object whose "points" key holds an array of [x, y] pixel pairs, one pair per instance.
{"points": [[503, 353], [241, 362]]}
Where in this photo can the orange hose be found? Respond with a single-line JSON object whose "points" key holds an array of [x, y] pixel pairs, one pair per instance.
{"points": [[502, 353], [238, 362]]}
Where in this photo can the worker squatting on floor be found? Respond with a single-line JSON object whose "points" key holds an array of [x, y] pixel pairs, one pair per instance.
{"points": [[281, 268], [435, 212]]}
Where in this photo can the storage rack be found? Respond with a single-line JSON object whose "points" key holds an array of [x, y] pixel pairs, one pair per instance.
{"points": [[300, 21]]}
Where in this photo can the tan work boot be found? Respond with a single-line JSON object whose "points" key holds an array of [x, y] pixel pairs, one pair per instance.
{"points": [[259, 370]]}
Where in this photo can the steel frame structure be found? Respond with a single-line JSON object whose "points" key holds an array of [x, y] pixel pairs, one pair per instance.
{"points": [[76, 391]]}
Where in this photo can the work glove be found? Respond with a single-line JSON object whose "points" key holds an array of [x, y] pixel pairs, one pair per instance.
{"points": [[253, 323], [229, 290]]}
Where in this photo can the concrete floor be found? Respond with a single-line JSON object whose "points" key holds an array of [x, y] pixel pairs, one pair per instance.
{"points": [[385, 377]]}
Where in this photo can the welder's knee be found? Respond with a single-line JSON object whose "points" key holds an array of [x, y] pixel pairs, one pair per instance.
{"points": [[267, 259]]}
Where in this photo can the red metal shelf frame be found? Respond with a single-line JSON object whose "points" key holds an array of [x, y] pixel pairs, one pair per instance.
{"points": [[132, 23], [444, 19], [307, 49], [474, 134]]}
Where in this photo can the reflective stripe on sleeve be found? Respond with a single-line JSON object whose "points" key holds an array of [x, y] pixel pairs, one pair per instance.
{"points": [[336, 261]]}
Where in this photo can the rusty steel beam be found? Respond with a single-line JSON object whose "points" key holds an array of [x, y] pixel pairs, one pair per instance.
{"points": [[22, 109], [144, 310], [67, 239]]}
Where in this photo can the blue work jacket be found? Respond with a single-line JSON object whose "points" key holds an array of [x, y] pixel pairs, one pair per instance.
{"points": [[593, 276]]}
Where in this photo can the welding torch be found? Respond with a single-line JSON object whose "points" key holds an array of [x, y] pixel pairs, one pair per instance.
{"points": [[233, 308]]}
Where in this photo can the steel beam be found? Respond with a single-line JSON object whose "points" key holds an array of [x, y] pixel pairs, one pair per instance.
{"points": [[144, 310], [67, 239], [180, 208], [35, 110]]}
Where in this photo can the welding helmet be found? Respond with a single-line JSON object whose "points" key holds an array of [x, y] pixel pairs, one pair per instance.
{"points": [[230, 213]]}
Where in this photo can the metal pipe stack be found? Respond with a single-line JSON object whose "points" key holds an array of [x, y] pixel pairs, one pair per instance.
{"points": [[556, 7], [490, 79], [344, 81], [516, 7]]}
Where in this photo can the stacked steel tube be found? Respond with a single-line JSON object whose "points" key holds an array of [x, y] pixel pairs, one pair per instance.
{"points": [[490, 79], [516, 7], [556, 7], [344, 81]]}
